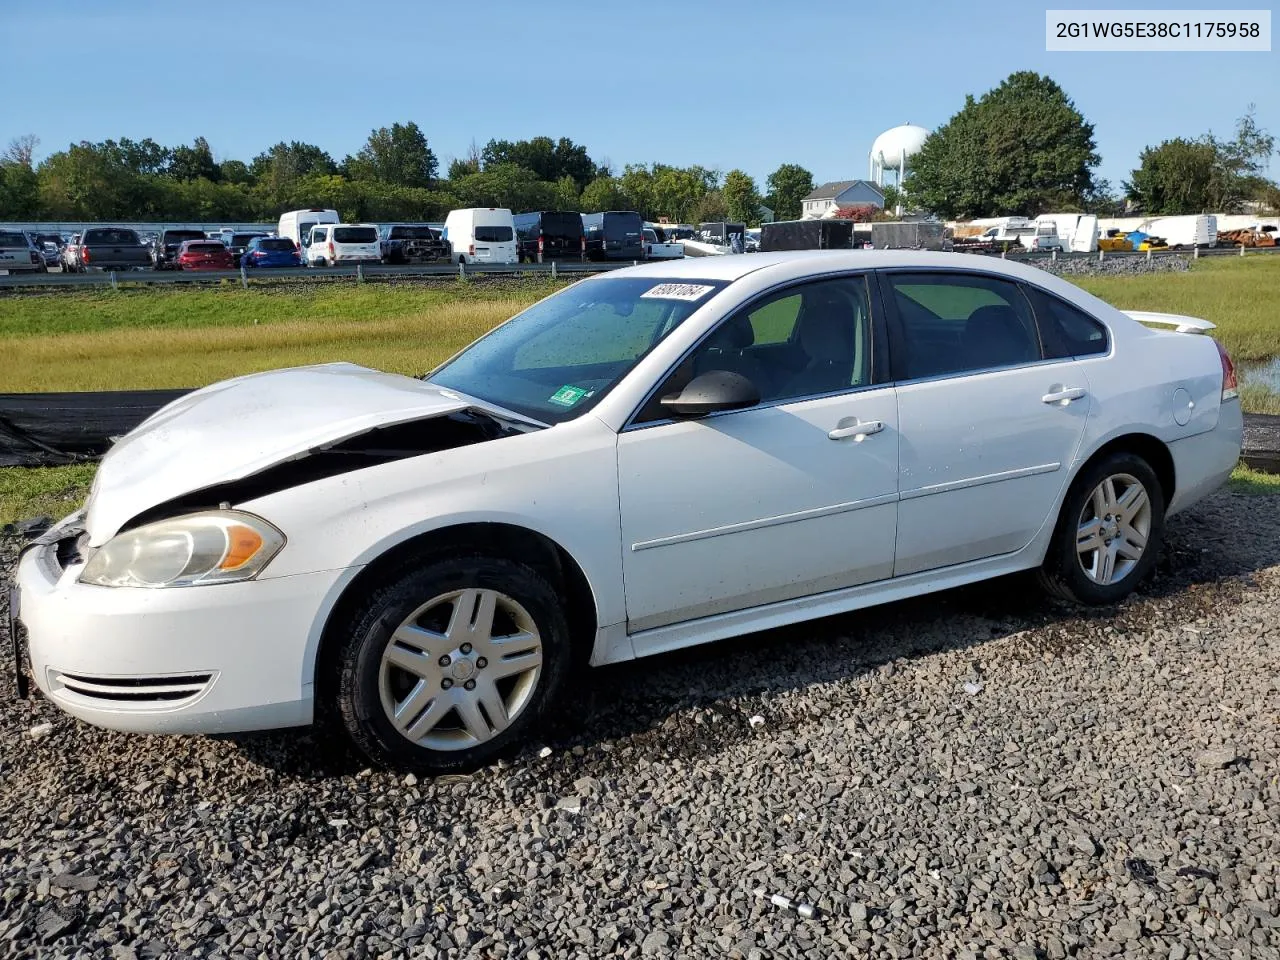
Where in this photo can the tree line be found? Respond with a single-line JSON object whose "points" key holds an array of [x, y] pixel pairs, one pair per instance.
{"points": [[1021, 148], [395, 175]]}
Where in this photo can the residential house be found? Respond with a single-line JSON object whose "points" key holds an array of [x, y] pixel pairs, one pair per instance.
{"points": [[830, 197]]}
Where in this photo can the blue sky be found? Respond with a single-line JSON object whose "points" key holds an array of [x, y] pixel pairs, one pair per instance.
{"points": [[747, 84]]}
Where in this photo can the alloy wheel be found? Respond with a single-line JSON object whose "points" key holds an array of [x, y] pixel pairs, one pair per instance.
{"points": [[1113, 529], [460, 669]]}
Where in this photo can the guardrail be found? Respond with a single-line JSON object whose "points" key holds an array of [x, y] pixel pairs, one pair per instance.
{"points": [[363, 272], [360, 273]]}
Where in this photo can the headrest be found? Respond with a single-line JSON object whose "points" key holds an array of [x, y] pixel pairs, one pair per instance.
{"points": [[736, 333]]}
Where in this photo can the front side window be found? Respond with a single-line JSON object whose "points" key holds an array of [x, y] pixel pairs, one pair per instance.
{"points": [[960, 323], [560, 357], [803, 341]]}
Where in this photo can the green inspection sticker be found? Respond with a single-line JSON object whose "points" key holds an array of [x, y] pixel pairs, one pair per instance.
{"points": [[567, 396]]}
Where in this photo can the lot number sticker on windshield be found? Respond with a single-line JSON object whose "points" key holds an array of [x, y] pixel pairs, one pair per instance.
{"points": [[567, 396], [678, 291]]}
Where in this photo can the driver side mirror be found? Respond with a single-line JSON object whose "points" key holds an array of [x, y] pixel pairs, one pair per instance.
{"points": [[712, 392]]}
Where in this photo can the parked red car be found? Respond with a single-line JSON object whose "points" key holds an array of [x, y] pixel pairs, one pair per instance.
{"points": [[204, 255]]}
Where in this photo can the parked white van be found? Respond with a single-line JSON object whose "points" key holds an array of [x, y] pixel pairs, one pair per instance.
{"points": [[481, 235], [338, 244], [1184, 232], [297, 224]]}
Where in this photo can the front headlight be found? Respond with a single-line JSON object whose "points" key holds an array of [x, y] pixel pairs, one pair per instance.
{"points": [[221, 546]]}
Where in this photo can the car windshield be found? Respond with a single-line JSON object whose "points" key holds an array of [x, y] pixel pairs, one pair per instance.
{"points": [[355, 235], [559, 358]]}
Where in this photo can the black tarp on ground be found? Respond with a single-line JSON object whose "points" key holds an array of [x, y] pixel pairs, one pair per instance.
{"points": [[47, 429]]}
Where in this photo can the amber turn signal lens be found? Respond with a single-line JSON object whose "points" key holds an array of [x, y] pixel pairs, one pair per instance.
{"points": [[242, 544]]}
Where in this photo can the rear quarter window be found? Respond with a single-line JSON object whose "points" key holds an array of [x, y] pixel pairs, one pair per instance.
{"points": [[1066, 330]]}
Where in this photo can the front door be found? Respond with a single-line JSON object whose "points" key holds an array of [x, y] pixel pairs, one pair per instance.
{"points": [[794, 496], [989, 427]]}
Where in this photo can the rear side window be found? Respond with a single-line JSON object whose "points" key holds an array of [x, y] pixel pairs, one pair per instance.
{"points": [[355, 235], [960, 323], [493, 234], [1067, 331]]}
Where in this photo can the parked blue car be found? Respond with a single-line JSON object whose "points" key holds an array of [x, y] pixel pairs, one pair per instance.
{"points": [[270, 252]]}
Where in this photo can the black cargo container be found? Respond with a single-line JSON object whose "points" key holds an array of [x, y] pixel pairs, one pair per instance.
{"points": [[807, 235]]}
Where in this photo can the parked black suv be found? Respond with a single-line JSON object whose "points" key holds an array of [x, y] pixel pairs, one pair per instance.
{"points": [[546, 235], [164, 255]]}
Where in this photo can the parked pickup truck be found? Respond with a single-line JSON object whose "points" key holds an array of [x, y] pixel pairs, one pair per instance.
{"points": [[413, 243], [655, 249], [110, 248]]}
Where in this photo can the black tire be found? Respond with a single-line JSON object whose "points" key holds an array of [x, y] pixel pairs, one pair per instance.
{"points": [[364, 635], [1063, 574]]}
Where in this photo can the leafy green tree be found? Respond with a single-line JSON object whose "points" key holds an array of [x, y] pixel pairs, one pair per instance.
{"points": [[788, 186], [397, 154], [288, 161], [193, 163], [604, 193], [548, 159], [741, 197], [1183, 176], [19, 186], [711, 208], [1174, 177], [235, 171], [567, 196], [90, 181], [505, 185], [1022, 148]]}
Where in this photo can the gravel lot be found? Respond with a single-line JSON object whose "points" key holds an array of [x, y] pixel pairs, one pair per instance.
{"points": [[980, 774]]}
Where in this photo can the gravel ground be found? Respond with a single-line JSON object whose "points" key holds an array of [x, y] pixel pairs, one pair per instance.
{"points": [[979, 774], [1113, 266]]}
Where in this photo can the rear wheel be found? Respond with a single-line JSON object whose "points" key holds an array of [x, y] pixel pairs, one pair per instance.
{"points": [[1109, 532], [451, 663]]}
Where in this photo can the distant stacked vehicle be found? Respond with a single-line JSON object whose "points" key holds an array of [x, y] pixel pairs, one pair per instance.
{"points": [[111, 248], [204, 255], [343, 244], [164, 255], [413, 243], [481, 235], [237, 242], [614, 235]]}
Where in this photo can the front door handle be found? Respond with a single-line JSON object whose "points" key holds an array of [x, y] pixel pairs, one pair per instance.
{"points": [[857, 429], [1062, 395]]}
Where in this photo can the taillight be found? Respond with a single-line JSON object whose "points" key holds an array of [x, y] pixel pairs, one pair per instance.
{"points": [[542, 244], [1230, 388], [471, 250], [331, 250], [584, 244], [35, 257], [84, 254]]}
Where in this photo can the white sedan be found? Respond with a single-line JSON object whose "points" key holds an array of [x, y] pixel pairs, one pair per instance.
{"points": [[657, 457]]}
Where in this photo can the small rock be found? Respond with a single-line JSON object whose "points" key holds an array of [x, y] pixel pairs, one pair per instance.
{"points": [[1086, 844], [1218, 759], [544, 752], [40, 730], [72, 881], [410, 780], [756, 721], [1025, 951], [972, 689], [858, 912], [569, 804], [655, 943]]}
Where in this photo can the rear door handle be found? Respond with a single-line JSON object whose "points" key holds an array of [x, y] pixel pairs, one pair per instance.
{"points": [[857, 430], [1063, 396]]}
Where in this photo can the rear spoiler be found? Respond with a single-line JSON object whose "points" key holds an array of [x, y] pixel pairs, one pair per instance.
{"points": [[1179, 323]]}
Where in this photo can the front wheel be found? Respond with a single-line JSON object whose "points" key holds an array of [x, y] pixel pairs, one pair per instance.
{"points": [[450, 664], [1108, 534]]}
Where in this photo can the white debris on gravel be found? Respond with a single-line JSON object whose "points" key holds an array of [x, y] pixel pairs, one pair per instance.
{"points": [[1118, 797]]}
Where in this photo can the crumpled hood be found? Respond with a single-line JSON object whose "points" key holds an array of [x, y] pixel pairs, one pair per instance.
{"points": [[239, 427]]}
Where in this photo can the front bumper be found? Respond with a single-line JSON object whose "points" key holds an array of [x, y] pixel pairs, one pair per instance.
{"points": [[215, 659]]}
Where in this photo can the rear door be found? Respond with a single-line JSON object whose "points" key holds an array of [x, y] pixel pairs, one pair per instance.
{"points": [[990, 420], [623, 236]]}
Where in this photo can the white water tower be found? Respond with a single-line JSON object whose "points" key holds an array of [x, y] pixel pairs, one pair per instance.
{"points": [[893, 150]]}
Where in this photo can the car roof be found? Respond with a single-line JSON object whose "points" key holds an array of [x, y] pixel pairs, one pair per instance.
{"points": [[803, 262]]}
